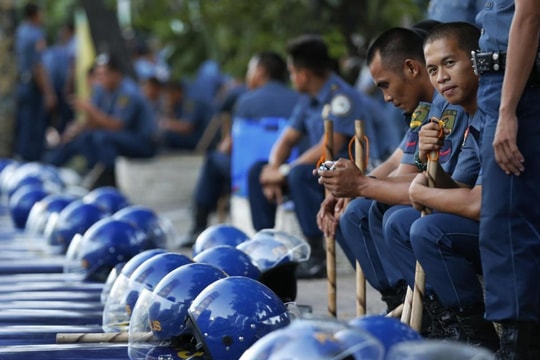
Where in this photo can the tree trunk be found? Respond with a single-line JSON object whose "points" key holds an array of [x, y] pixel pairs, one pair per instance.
{"points": [[8, 73]]}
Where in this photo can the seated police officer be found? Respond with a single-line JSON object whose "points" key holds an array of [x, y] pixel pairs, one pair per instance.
{"points": [[117, 122], [311, 73]]}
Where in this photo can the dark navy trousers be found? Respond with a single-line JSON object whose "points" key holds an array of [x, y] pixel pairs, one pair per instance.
{"points": [[446, 246], [302, 188], [510, 215]]}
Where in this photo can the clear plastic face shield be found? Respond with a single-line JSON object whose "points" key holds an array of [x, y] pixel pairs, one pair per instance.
{"points": [[438, 350], [165, 234], [150, 337], [269, 248], [74, 263], [115, 314], [37, 218], [111, 279]]}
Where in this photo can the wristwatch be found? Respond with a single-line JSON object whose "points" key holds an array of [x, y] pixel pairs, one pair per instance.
{"points": [[284, 169], [419, 164]]}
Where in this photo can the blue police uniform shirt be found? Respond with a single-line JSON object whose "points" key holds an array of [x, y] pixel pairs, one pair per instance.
{"points": [[29, 46], [468, 169], [455, 10], [495, 19], [273, 99], [455, 120], [346, 107], [128, 105]]}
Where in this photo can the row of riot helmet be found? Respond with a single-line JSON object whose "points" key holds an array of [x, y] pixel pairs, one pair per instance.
{"points": [[232, 299], [213, 306]]}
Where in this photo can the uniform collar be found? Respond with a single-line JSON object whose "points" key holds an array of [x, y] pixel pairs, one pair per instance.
{"points": [[329, 87]]}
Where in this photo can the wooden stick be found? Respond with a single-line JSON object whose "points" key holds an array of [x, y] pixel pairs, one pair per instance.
{"points": [[420, 276], [119, 337], [397, 312], [360, 162], [330, 240], [407, 306]]}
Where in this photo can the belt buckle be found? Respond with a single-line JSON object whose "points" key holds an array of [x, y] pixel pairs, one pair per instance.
{"points": [[474, 62]]}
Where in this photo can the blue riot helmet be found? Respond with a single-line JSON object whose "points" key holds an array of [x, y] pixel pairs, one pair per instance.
{"points": [[220, 234], [277, 255], [75, 218], [22, 201], [6, 174], [34, 173], [389, 331], [118, 310], [231, 314], [108, 197], [117, 281], [43, 209], [316, 339], [163, 313], [105, 244], [159, 230], [229, 259]]}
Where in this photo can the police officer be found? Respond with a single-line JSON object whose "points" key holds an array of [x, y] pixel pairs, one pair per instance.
{"points": [[510, 218], [118, 121], [183, 122], [311, 73], [446, 242], [450, 10], [397, 64], [35, 94], [268, 96], [59, 60]]}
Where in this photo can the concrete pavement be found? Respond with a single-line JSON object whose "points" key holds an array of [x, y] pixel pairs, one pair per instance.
{"points": [[166, 184]]}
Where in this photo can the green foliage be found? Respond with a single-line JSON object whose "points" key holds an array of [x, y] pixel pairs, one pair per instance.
{"points": [[230, 31]]}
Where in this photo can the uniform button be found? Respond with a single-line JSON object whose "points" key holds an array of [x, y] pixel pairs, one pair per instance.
{"points": [[482, 31], [489, 4]]}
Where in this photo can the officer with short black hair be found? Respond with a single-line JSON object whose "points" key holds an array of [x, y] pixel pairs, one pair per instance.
{"points": [[310, 69], [118, 122]]}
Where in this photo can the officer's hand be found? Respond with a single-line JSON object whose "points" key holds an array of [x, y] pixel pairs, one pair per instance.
{"points": [[505, 147], [344, 180], [271, 175], [273, 193], [50, 100], [418, 185], [329, 213], [429, 140]]}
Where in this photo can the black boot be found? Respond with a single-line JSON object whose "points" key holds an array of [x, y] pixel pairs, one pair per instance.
{"points": [[515, 340], [444, 322], [315, 266], [476, 330], [200, 222], [394, 296]]}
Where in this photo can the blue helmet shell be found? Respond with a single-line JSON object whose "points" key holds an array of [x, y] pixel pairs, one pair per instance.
{"points": [[229, 259]]}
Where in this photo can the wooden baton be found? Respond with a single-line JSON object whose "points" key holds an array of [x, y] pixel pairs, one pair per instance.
{"points": [[359, 146], [330, 240]]}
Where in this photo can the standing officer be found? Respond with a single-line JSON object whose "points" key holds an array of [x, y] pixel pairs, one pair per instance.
{"points": [[446, 242], [118, 121], [451, 10], [267, 96], [35, 95], [397, 64], [311, 73], [508, 99]]}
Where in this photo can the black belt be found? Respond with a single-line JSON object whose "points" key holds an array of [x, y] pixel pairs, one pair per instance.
{"points": [[493, 62]]}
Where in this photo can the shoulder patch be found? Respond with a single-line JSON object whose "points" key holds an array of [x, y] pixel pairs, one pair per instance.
{"points": [[340, 105], [449, 119], [419, 115], [123, 101]]}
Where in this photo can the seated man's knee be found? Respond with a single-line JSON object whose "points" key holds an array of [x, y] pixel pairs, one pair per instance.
{"points": [[255, 171]]}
